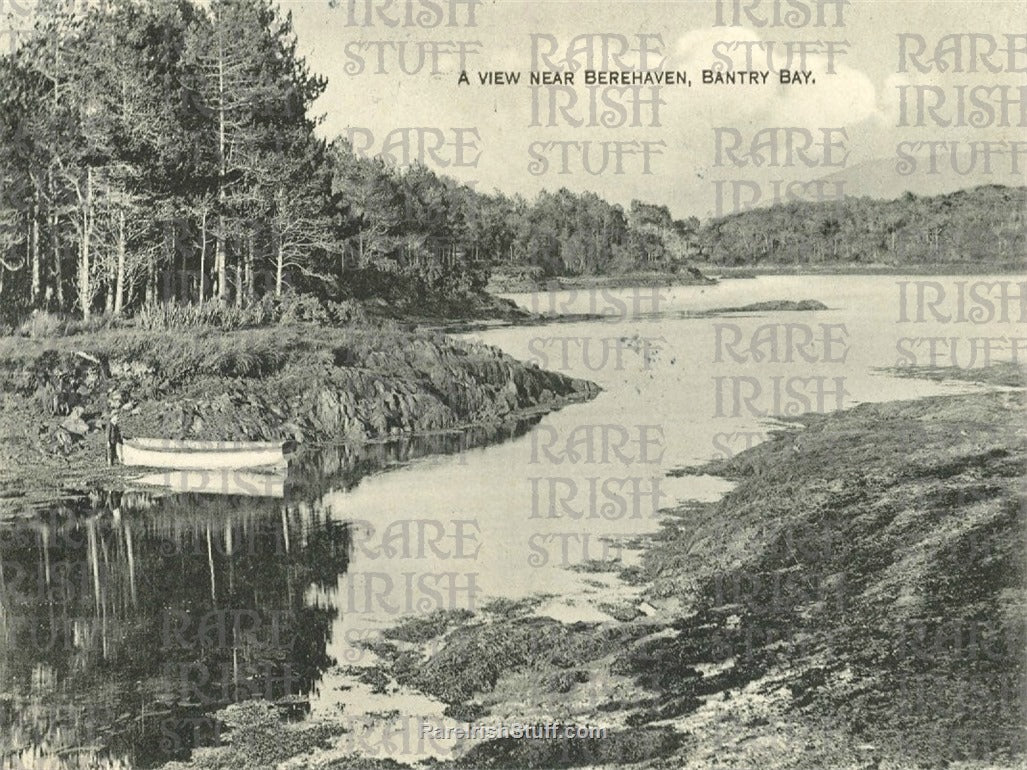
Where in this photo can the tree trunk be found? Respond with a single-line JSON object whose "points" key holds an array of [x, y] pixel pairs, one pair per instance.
{"points": [[203, 255], [151, 284], [57, 268], [220, 259], [249, 267], [152, 296], [34, 249], [108, 293], [84, 288], [110, 274], [169, 283], [184, 287], [119, 291], [220, 256], [55, 239], [279, 267]]}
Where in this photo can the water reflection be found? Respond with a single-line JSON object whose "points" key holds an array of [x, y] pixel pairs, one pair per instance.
{"points": [[127, 619]]}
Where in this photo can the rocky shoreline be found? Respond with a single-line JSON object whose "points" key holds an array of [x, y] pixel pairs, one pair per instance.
{"points": [[856, 600], [308, 383], [502, 283], [312, 383]]}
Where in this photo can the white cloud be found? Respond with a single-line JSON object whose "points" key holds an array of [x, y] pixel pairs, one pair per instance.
{"points": [[842, 98], [845, 98]]}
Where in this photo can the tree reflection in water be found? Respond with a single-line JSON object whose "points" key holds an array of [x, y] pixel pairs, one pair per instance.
{"points": [[127, 619]]}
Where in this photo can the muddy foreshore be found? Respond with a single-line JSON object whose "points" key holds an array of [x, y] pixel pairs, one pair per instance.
{"points": [[512, 284], [856, 600], [308, 383]]}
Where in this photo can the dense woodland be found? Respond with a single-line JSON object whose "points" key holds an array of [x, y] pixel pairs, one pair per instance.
{"points": [[984, 226], [168, 150]]}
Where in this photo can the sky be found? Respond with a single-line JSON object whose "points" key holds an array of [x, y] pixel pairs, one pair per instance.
{"points": [[669, 153], [393, 70]]}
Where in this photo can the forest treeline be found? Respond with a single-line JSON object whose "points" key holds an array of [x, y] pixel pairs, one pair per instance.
{"points": [[167, 150], [984, 226], [155, 150]]}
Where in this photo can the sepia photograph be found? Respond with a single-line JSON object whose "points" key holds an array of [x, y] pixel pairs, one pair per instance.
{"points": [[513, 384]]}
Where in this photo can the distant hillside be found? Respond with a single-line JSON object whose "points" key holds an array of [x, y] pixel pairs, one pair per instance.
{"points": [[981, 227], [879, 178]]}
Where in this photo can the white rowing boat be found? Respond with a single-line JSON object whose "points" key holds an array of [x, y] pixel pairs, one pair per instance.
{"points": [[200, 455]]}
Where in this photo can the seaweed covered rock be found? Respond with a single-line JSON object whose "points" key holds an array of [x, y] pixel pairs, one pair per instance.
{"points": [[307, 383]]}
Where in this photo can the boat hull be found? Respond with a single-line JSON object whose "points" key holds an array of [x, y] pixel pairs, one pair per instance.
{"points": [[200, 455]]}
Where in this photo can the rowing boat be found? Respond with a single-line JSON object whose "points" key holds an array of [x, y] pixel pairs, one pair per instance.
{"points": [[200, 455]]}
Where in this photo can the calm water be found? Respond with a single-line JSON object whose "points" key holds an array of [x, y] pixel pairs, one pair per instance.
{"points": [[125, 620]]}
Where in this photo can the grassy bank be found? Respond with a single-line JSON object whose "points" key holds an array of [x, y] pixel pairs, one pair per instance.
{"points": [[307, 381]]}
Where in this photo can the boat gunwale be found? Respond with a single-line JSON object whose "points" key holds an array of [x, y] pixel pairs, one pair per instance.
{"points": [[174, 446]]}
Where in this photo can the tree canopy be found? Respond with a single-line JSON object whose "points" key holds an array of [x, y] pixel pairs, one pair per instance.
{"points": [[167, 150]]}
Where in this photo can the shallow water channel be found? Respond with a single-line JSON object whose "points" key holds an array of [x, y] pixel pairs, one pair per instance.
{"points": [[127, 619]]}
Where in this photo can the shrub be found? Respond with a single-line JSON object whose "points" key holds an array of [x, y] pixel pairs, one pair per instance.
{"points": [[289, 308], [292, 307], [174, 316], [43, 324], [347, 312]]}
